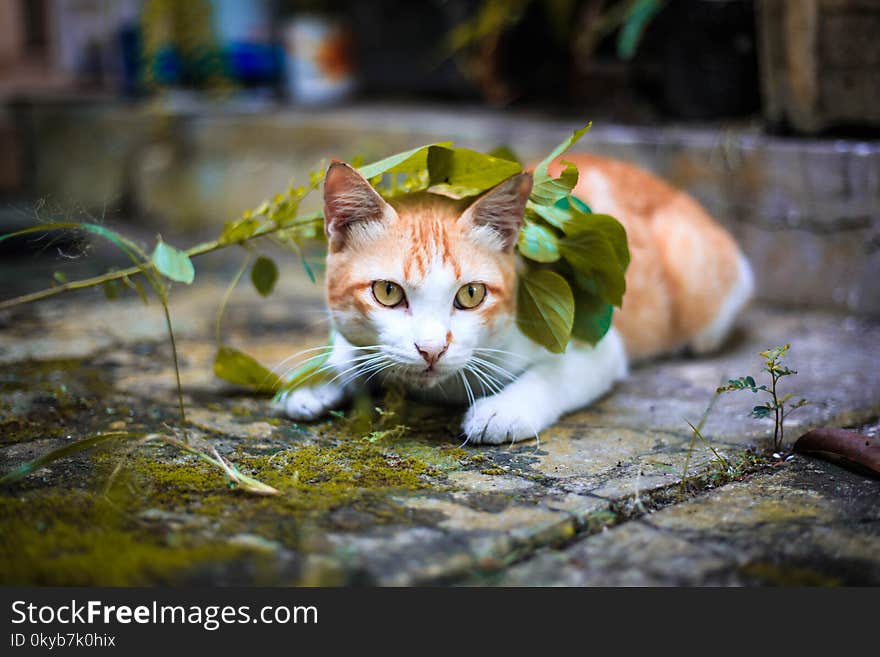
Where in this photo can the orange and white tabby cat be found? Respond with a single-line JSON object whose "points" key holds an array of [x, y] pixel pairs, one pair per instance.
{"points": [[422, 290]]}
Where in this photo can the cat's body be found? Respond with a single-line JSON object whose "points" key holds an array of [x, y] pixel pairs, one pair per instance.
{"points": [[423, 289]]}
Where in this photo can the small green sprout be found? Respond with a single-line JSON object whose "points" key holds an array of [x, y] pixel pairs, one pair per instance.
{"points": [[779, 407]]}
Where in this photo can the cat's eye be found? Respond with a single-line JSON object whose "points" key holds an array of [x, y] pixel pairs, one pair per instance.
{"points": [[388, 293], [470, 296]]}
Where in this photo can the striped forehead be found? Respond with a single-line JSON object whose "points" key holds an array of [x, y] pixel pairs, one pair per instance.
{"points": [[427, 235], [428, 249]]}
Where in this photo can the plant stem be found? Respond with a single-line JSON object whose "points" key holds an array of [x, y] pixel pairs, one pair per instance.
{"points": [[199, 249], [176, 369], [775, 411], [225, 300]]}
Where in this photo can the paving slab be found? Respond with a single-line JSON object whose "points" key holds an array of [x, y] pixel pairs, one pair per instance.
{"points": [[394, 498], [807, 524]]}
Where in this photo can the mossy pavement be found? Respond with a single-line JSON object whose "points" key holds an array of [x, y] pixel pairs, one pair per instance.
{"points": [[391, 496]]}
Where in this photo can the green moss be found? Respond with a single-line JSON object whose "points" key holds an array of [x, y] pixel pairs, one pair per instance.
{"points": [[174, 483], [596, 521], [316, 478], [71, 537], [771, 574]]}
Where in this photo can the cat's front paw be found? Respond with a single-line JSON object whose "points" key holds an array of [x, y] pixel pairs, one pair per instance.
{"points": [[494, 420], [312, 402]]}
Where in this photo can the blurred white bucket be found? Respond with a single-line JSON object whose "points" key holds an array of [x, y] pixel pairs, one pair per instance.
{"points": [[319, 68]]}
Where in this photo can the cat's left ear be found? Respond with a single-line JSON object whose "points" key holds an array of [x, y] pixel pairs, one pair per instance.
{"points": [[349, 201], [498, 214]]}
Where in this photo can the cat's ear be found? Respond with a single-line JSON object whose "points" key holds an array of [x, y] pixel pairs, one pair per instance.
{"points": [[349, 200], [498, 214]]}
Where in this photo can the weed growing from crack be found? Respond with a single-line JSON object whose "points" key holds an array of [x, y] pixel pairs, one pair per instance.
{"points": [[776, 404]]}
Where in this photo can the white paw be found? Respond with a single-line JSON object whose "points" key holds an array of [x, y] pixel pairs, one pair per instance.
{"points": [[494, 420], [312, 402]]}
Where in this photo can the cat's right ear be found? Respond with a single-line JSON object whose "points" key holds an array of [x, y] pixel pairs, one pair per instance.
{"points": [[349, 201]]}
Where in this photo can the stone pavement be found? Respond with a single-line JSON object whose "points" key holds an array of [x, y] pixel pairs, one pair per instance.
{"points": [[394, 499]]}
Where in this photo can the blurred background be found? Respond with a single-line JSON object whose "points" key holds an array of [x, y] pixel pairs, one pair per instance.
{"points": [[175, 116]]}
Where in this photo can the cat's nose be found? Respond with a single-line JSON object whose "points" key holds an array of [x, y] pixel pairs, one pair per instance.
{"points": [[431, 351]]}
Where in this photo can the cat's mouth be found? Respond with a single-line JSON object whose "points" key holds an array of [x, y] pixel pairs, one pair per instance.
{"points": [[422, 377]]}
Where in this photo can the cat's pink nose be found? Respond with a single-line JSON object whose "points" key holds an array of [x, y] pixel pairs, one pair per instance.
{"points": [[431, 351]]}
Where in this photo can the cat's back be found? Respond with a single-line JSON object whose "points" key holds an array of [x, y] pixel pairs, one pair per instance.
{"points": [[687, 278]]}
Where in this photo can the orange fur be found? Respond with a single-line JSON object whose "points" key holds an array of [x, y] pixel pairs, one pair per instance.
{"points": [[683, 263]]}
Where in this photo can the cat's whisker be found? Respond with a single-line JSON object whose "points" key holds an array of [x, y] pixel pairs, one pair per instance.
{"points": [[374, 365], [384, 367], [485, 384], [293, 368], [323, 349], [495, 368], [311, 375], [475, 366], [325, 367], [366, 362], [503, 352], [477, 376], [467, 387], [488, 361]]}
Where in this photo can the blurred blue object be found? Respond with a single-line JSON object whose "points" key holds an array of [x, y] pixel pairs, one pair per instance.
{"points": [[244, 36]]}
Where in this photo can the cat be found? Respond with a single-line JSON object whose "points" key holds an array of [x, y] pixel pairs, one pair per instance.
{"points": [[421, 289]]}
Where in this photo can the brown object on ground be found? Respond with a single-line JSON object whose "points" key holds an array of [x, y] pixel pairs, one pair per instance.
{"points": [[848, 448]]}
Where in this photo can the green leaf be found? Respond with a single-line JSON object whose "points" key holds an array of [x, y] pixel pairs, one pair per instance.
{"points": [[545, 308], [459, 172], [236, 231], [610, 228], [126, 245], [572, 202], [592, 315], [759, 412], [173, 263], [410, 161], [537, 242], [550, 190], [638, 15], [569, 214], [742, 383], [594, 255], [546, 189], [237, 367], [505, 153], [264, 274], [562, 218], [24, 470], [42, 228]]}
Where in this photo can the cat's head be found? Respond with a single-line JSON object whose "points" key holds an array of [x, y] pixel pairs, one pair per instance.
{"points": [[426, 280]]}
